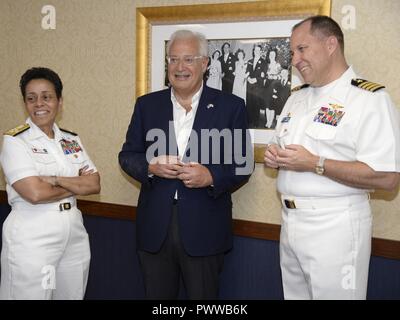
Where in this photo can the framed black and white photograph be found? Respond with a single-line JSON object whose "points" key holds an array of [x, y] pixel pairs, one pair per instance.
{"points": [[256, 70], [262, 26]]}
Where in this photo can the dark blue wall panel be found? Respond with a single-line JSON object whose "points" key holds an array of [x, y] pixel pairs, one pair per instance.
{"points": [[114, 270], [384, 279], [251, 269]]}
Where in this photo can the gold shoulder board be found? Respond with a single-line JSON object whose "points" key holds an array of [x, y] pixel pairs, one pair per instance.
{"points": [[70, 132], [17, 130], [366, 85], [300, 87]]}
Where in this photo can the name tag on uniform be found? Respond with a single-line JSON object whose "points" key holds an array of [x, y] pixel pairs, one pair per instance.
{"points": [[70, 147], [38, 150], [329, 116]]}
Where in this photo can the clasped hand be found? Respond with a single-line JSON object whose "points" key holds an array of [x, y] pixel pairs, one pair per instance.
{"points": [[294, 157], [192, 174]]}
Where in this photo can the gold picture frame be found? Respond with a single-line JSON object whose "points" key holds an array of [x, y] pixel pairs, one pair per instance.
{"points": [[147, 17]]}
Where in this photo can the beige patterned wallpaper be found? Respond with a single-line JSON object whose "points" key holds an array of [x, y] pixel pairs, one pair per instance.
{"points": [[93, 49]]}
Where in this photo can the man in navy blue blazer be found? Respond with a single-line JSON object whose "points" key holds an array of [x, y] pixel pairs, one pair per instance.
{"points": [[189, 148]]}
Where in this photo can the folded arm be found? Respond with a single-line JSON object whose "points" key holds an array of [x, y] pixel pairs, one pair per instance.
{"points": [[50, 189], [82, 185], [35, 190]]}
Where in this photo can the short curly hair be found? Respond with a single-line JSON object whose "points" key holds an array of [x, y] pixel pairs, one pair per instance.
{"points": [[41, 73]]}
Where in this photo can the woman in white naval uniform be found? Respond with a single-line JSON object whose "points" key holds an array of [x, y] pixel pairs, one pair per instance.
{"points": [[45, 247]]}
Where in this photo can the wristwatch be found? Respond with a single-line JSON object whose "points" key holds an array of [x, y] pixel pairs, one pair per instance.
{"points": [[319, 168]]}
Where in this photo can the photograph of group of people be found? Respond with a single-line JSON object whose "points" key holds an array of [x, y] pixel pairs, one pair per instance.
{"points": [[257, 70]]}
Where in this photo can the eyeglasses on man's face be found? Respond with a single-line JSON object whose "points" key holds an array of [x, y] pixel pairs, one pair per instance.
{"points": [[186, 60]]}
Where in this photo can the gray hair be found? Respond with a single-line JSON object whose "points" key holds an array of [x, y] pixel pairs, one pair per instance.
{"points": [[188, 34]]}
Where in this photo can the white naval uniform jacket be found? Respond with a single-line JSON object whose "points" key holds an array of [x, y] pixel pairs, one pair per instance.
{"points": [[33, 153], [367, 130]]}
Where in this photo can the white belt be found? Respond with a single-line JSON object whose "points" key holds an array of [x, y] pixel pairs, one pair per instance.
{"points": [[290, 202], [55, 206]]}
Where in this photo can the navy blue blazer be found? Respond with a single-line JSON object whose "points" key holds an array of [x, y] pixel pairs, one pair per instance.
{"points": [[204, 214]]}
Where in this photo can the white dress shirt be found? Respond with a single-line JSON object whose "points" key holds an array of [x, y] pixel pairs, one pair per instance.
{"points": [[183, 122]]}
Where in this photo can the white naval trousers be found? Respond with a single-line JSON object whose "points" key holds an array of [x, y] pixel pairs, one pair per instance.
{"points": [[325, 248], [45, 254]]}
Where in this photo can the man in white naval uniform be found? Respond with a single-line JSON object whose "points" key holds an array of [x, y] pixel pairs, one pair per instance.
{"points": [[337, 140]]}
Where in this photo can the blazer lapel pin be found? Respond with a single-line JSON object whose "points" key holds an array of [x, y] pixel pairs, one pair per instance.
{"points": [[210, 105]]}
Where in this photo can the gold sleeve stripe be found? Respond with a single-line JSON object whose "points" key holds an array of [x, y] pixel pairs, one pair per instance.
{"points": [[370, 86], [366, 85]]}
